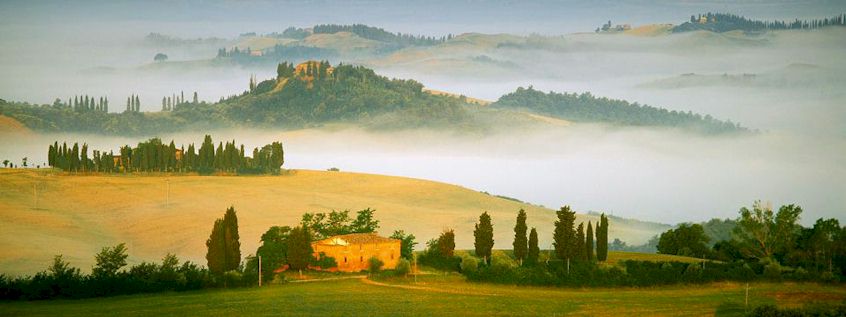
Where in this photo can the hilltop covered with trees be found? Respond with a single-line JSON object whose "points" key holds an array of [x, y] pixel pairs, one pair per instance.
{"points": [[309, 94], [724, 22], [585, 107], [316, 92], [297, 47]]}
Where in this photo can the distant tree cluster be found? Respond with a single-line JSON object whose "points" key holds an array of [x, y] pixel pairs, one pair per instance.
{"points": [[311, 95], [379, 34], [686, 240], [155, 156], [724, 22], [133, 104], [158, 39], [84, 103], [171, 103], [587, 108], [295, 33]]}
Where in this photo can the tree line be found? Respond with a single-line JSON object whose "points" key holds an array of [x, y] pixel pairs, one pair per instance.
{"points": [[773, 239], [84, 103], [379, 34], [155, 156], [585, 107], [572, 244], [724, 22], [169, 103], [110, 276]]}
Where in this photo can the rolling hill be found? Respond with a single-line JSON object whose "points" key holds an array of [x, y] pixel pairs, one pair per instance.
{"points": [[78, 215]]}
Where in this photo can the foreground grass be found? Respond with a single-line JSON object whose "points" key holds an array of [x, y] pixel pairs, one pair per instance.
{"points": [[439, 295]]}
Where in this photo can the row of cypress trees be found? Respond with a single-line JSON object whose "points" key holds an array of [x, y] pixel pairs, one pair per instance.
{"points": [[570, 242], [155, 156]]}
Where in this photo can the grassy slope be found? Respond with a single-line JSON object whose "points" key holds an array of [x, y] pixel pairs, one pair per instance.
{"points": [[77, 215], [439, 295], [11, 126]]}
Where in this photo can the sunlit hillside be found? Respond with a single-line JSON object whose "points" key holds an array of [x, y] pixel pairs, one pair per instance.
{"points": [[77, 215]]}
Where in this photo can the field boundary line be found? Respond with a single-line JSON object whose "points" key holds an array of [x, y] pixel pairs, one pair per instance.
{"points": [[329, 279], [368, 281]]}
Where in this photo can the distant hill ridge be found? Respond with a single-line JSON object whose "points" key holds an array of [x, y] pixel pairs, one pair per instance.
{"points": [[725, 22], [587, 108], [314, 93]]}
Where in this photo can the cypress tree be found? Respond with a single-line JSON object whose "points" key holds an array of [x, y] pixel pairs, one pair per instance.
{"points": [[520, 241], [300, 252], [564, 233], [484, 237], [51, 153], [534, 250], [232, 239], [602, 239], [589, 242], [84, 157], [75, 157], [446, 243], [215, 254], [579, 249]]}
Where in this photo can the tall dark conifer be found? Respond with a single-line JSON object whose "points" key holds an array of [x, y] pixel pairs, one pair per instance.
{"points": [[484, 237], [520, 241], [589, 242], [579, 249], [602, 239], [564, 234], [534, 249]]}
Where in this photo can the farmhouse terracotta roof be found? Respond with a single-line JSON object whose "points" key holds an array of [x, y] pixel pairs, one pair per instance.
{"points": [[355, 238]]}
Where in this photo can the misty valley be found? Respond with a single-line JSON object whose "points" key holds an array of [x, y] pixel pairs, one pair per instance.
{"points": [[370, 158]]}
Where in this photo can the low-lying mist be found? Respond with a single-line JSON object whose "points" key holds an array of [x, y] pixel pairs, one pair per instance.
{"points": [[659, 175]]}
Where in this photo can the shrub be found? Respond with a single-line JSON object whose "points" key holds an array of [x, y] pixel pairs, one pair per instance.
{"points": [[374, 264], [800, 274], [403, 267], [324, 262], [232, 279], [828, 277], [772, 270], [469, 265], [502, 260]]}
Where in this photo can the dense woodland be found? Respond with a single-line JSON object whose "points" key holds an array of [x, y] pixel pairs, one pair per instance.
{"points": [[585, 107], [724, 22], [155, 156]]}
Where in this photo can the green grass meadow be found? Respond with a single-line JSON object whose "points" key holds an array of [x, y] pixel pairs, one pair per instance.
{"points": [[438, 295]]}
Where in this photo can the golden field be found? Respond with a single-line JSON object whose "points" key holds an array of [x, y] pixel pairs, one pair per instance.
{"points": [[77, 215]]}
